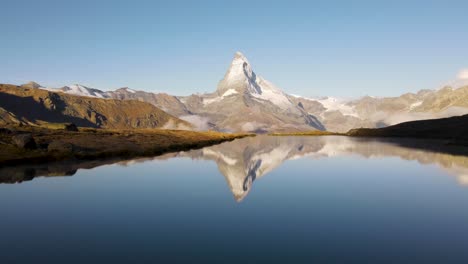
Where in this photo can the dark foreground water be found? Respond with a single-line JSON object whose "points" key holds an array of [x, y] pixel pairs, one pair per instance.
{"points": [[255, 200]]}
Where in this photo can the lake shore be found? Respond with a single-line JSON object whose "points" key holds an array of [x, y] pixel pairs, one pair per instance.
{"points": [[33, 145], [449, 131], [308, 133]]}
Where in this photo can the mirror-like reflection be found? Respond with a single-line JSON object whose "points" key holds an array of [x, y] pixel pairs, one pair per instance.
{"points": [[242, 162], [256, 200]]}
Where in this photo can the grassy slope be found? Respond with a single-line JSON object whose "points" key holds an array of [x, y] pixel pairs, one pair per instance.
{"points": [[453, 128], [97, 143]]}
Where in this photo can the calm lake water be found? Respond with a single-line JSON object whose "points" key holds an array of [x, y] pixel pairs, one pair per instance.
{"points": [[253, 200]]}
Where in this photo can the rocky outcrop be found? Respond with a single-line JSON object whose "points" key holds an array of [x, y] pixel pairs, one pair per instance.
{"points": [[71, 127], [60, 148], [24, 141], [5, 131]]}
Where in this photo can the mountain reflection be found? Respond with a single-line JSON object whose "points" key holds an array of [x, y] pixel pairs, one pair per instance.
{"points": [[244, 161]]}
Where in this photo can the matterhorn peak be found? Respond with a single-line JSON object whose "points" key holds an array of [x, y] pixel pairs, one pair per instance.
{"points": [[239, 77], [239, 56]]}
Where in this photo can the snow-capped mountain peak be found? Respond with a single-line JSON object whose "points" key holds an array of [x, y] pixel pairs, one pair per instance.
{"points": [[241, 79], [81, 90], [125, 90]]}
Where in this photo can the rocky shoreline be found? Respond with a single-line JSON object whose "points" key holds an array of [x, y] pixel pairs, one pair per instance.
{"points": [[35, 145]]}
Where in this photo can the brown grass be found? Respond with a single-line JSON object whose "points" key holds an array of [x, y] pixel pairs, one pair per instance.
{"points": [[98, 143]]}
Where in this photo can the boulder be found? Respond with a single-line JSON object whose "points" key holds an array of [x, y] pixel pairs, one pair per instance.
{"points": [[59, 147], [71, 127], [25, 141], [5, 131]]}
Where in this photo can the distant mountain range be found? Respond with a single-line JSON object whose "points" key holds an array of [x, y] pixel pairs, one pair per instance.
{"points": [[244, 101]]}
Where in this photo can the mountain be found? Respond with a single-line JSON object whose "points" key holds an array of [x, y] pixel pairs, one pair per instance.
{"points": [[166, 102], [244, 101], [83, 91], [79, 90], [31, 85], [23, 105]]}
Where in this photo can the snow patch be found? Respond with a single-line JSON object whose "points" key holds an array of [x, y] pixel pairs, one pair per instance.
{"points": [[335, 104], [270, 160], [221, 156], [269, 92], [207, 101], [55, 90], [414, 105], [183, 99], [229, 92], [81, 90]]}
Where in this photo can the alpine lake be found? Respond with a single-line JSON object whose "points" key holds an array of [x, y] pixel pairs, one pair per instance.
{"points": [[263, 199]]}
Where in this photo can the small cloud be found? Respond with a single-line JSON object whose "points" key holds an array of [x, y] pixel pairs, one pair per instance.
{"points": [[463, 74], [200, 123]]}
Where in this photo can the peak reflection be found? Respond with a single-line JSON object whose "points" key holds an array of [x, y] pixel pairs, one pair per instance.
{"points": [[244, 161]]}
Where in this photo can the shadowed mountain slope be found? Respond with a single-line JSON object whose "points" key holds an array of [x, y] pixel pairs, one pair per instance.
{"points": [[455, 128], [28, 105]]}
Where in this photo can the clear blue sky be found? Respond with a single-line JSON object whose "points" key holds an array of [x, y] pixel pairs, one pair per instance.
{"points": [[339, 48]]}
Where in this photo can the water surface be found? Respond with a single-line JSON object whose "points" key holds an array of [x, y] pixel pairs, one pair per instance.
{"points": [[263, 199]]}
